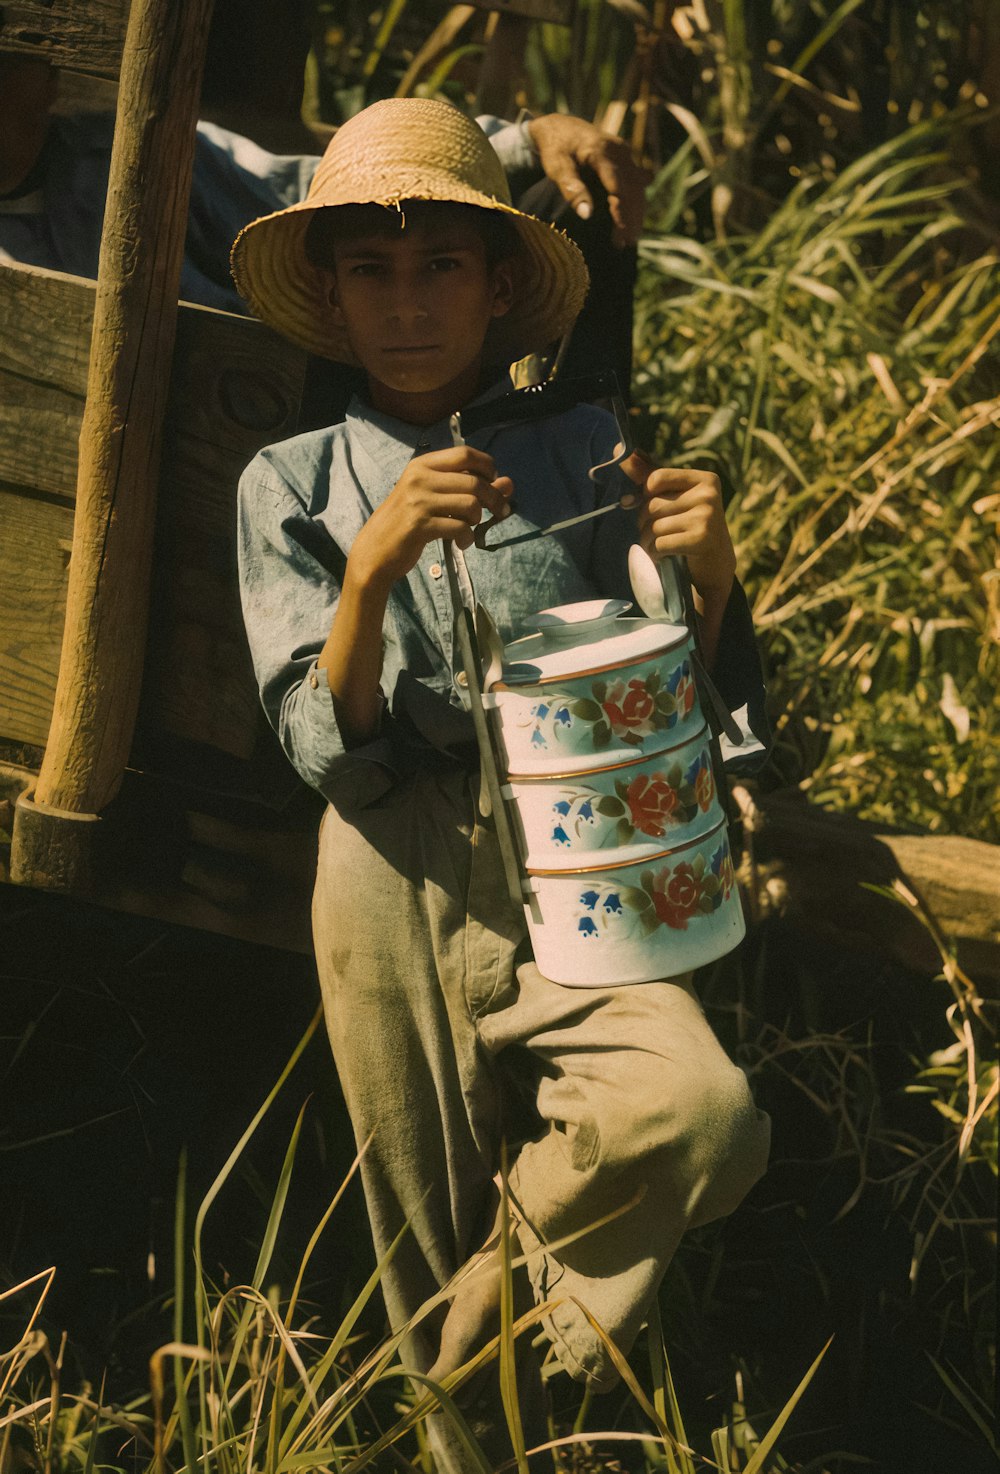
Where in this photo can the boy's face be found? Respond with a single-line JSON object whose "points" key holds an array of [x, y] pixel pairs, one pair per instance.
{"points": [[416, 305]]}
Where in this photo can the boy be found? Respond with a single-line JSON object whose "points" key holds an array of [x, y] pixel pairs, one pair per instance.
{"points": [[407, 260]]}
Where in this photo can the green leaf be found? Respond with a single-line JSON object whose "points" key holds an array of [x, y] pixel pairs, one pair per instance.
{"points": [[601, 734], [610, 806], [624, 832], [587, 711], [634, 899], [277, 1205], [600, 690], [666, 703]]}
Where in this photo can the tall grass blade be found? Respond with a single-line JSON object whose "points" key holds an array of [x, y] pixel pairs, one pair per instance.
{"points": [[91, 1459], [964, 1400], [448, 1409], [665, 1395], [181, 1378], [508, 1369], [327, 1363], [720, 1448], [203, 1318], [341, 1335], [278, 1204], [392, 14], [234, 1156], [760, 1453], [628, 1377]]}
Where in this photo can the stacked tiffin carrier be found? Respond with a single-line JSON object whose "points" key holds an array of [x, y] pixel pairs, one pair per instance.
{"points": [[611, 786]]}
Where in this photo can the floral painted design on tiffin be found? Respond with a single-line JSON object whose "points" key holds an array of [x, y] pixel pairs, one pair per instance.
{"points": [[650, 804], [629, 711], [672, 896]]}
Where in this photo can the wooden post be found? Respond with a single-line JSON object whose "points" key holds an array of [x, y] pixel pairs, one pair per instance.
{"points": [[502, 66], [142, 247]]}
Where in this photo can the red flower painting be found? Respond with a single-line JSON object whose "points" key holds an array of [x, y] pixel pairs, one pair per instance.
{"points": [[676, 895], [629, 708], [651, 801]]}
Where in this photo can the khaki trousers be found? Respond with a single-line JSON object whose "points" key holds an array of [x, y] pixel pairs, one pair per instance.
{"points": [[447, 1037]]}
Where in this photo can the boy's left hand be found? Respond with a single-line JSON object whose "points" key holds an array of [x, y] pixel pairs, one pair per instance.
{"points": [[682, 514]]}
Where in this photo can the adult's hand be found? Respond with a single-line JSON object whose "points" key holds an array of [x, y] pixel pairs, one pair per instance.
{"points": [[569, 146]]}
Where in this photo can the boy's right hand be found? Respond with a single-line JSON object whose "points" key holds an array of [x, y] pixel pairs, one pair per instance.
{"points": [[441, 494]]}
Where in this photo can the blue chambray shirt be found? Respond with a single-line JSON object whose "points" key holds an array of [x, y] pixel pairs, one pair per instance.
{"points": [[302, 503]]}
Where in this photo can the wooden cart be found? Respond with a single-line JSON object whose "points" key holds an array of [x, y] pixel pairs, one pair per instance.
{"points": [[136, 766]]}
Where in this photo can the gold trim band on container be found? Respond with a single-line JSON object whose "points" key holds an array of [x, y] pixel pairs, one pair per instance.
{"points": [[598, 670], [642, 859], [629, 762]]}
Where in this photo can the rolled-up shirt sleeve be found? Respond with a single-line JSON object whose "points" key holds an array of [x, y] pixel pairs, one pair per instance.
{"points": [[290, 580]]}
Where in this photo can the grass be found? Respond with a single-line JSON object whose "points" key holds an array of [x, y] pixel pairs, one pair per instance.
{"points": [[874, 1225], [839, 369], [253, 1380]]}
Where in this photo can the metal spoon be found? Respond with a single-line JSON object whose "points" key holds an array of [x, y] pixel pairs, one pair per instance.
{"points": [[656, 586]]}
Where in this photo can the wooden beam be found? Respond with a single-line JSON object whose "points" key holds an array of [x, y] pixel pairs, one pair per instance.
{"points": [[142, 246], [83, 37], [814, 867]]}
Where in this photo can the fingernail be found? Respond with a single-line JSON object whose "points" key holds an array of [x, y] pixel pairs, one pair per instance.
{"points": [[585, 209]]}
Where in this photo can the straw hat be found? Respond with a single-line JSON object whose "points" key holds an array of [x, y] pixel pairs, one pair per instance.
{"points": [[397, 150]]}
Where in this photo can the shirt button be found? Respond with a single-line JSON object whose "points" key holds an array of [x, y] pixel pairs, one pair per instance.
{"points": [[314, 680], [461, 679], [435, 570]]}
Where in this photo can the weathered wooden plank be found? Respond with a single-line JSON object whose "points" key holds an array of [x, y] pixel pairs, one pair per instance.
{"points": [[36, 538], [234, 383], [39, 430], [47, 318], [82, 37], [235, 386], [80, 93], [44, 349]]}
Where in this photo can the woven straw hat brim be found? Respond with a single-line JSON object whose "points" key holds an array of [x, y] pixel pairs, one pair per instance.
{"points": [[398, 150], [284, 289]]}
